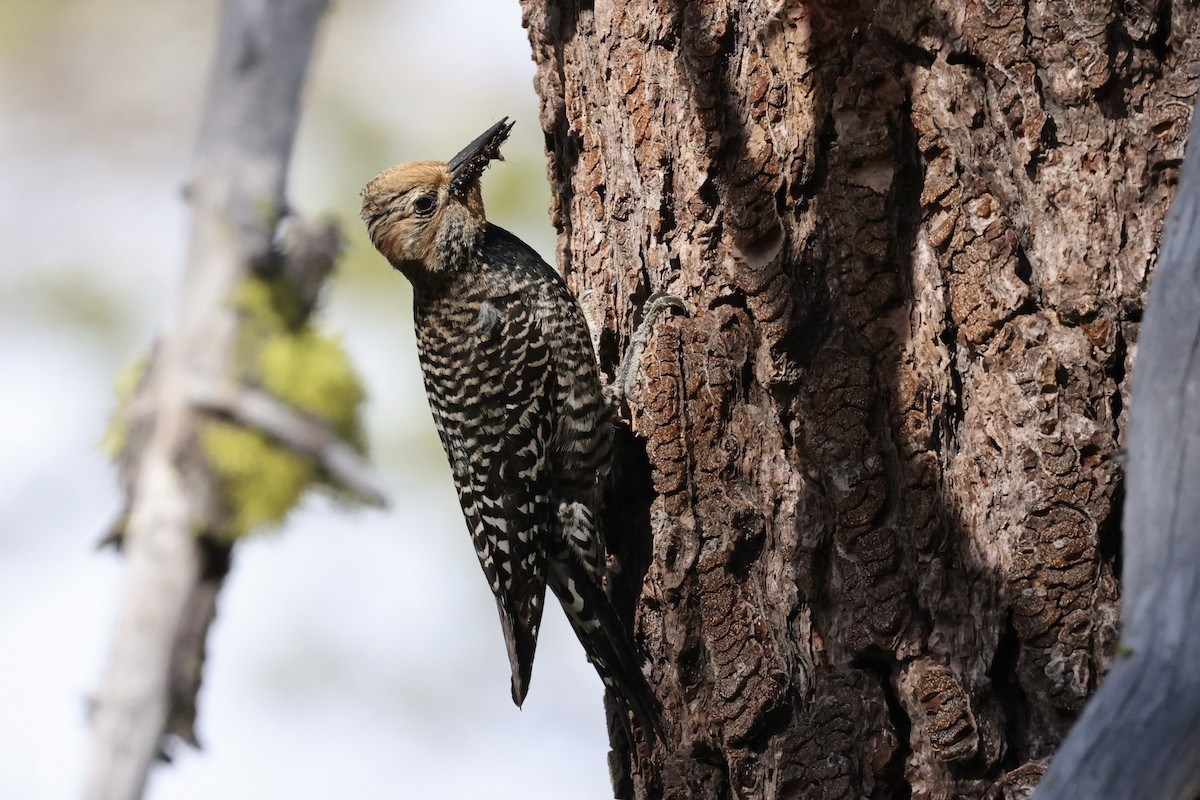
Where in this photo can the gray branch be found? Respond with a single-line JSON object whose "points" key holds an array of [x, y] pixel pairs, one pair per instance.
{"points": [[237, 197], [1139, 737], [302, 433]]}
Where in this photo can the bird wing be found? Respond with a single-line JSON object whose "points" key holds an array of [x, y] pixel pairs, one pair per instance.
{"points": [[496, 432]]}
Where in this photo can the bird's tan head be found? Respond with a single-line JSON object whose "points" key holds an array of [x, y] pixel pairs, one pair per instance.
{"points": [[426, 216]]}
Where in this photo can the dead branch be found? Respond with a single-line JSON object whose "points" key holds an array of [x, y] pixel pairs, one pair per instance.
{"points": [[237, 199]]}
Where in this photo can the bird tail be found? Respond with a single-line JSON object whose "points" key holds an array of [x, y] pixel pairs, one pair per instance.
{"points": [[520, 638], [608, 646]]}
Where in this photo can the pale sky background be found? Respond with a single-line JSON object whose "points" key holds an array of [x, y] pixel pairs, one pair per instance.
{"points": [[355, 655]]}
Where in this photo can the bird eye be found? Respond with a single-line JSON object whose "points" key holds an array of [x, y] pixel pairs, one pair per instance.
{"points": [[424, 205]]}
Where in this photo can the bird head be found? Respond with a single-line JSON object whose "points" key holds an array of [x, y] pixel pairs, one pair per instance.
{"points": [[426, 216]]}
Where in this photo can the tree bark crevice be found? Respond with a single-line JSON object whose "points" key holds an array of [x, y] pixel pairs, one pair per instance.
{"points": [[883, 447]]}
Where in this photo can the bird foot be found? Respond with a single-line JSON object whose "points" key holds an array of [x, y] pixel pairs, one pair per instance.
{"points": [[632, 362]]}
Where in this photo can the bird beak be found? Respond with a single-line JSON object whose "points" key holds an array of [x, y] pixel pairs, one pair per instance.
{"points": [[466, 167]]}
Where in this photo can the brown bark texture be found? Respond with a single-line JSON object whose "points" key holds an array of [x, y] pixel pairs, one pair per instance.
{"points": [[882, 550], [1139, 736]]}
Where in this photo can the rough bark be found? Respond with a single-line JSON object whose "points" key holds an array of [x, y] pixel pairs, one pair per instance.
{"points": [[175, 563], [1139, 738], [882, 549]]}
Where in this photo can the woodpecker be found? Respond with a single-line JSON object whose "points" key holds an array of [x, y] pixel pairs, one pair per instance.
{"points": [[519, 405]]}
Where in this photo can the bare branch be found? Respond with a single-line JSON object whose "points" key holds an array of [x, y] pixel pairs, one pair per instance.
{"points": [[300, 432], [237, 196]]}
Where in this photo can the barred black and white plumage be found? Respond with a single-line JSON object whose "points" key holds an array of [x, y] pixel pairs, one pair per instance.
{"points": [[519, 405]]}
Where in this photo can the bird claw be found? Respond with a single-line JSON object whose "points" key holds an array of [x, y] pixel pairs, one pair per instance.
{"points": [[632, 362]]}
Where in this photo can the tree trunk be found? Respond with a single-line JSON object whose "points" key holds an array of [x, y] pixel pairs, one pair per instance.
{"points": [[1139, 738], [882, 552]]}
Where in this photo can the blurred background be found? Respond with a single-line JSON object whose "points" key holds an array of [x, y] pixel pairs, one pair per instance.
{"points": [[356, 654]]}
